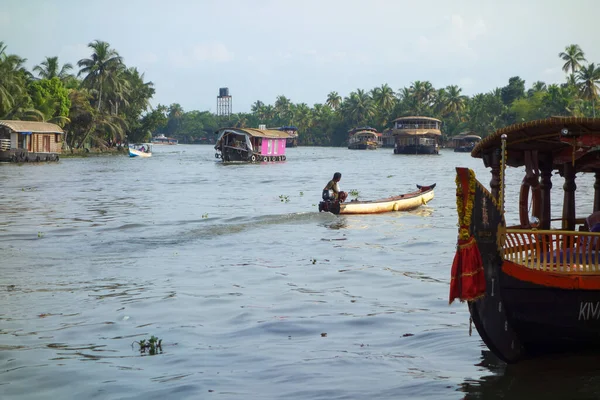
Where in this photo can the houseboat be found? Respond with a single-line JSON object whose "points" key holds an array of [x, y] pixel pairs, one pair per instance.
{"points": [[531, 276], [28, 141], [365, 138], [416, 135], [162, 139], [388, 140], [464, 142], [250, 145], [292, 138]]}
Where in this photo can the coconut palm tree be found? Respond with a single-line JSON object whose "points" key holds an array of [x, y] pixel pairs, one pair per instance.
{"points": [[48, 69], [573, 56], [453, 102], [588, 79], [13, 81], [334, 100], [99, 68]]}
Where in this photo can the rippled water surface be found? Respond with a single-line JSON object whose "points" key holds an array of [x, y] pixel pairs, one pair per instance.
{"points": [[253, 292]]}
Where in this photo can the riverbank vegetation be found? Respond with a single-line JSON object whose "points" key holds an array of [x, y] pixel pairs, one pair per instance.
{"points": [[106, 102]]}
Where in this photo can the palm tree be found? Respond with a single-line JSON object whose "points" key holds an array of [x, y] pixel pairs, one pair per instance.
{"points": [[588, 79], [13, 81], [453, 101], [334, 100], [256, 107], [282, 108], [99, 68], [573, 56], [48, 69]]}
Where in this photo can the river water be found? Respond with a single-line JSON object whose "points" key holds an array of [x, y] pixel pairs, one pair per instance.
{"points": [[254, 293]]}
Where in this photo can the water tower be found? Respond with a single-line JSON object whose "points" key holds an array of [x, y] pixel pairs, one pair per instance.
{"points": [[224, 102]]}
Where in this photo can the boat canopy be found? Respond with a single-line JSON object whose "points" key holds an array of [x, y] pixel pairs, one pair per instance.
{"points": [[28, 127], [567, 139], [263, 133]]}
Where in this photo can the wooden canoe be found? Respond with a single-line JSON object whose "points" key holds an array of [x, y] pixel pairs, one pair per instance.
{"points": [[403, 202]]}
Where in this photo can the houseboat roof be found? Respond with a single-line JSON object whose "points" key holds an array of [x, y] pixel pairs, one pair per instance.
{"points": [[466, 135], [567, 138], [412, 117], [416, 132], [285, 128], [268, 133], [31, 126], [362, 129]]}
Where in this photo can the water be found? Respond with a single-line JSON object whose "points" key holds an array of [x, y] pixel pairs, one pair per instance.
{"points": [[254, 293]]}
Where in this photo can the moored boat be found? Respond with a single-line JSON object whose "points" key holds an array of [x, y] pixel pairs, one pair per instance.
{"points": [[250, 145], [465, 142], [416, 135], [143, 150], [403, 202], [292, 138], [365, 138], [162, 139], [29, 141], [532, 284]]}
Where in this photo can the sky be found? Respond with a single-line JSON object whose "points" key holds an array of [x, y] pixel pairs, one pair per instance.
{"points": [[305, 49]]}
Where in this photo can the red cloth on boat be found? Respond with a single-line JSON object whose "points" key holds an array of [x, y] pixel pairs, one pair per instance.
{"points": [[467, 280]]}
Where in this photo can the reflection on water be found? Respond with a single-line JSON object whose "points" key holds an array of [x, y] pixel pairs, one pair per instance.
{"points": [[252, 296], [575, 376]]}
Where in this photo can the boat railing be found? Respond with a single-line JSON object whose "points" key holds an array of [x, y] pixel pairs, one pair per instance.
{"points": [[568, 252]]}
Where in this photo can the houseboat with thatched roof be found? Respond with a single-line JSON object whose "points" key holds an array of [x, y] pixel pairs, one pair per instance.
{"points": [[464, 142], [528, 266], [292, 131], [250, 145], [387, 139], [416, 135], [365, 138], [29, 141]]}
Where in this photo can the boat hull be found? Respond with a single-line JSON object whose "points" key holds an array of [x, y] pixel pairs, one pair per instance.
{"points": [[403, 202], [416, 149], [523, 312], [463, 149], [137, 153], [363, 146]]}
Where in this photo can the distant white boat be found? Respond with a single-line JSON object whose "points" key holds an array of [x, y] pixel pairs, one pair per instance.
{"points": [[162, 139], [143, 150]]}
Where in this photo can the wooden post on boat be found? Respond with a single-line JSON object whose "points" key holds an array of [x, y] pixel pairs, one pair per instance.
{"points": [[546, 185], [568, 222], [502, 172], [495, 166], [597, 192]]}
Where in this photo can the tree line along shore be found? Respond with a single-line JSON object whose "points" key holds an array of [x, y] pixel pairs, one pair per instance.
{"points": [[100, 101]]}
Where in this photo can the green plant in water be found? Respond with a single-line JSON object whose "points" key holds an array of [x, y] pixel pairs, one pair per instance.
{"points": [[205, 215], [152, 345], [389, 176], [354, 193], [284, 198], [40, 235], [301, 193]]}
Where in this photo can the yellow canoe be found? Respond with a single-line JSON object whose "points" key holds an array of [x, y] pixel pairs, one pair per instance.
{"points": [[403, 202]]}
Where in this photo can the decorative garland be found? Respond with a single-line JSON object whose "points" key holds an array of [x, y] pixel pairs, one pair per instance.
{"points": [[465, 212]]}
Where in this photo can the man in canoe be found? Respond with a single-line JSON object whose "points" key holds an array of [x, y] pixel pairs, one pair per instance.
{"points": [[335, 189]]}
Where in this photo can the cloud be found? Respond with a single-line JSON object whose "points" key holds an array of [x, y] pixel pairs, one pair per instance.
{"points": [[215, 52], [454, 36], [147, 57], [212, 52], [4, 18], [73, 53], [466, 82]]}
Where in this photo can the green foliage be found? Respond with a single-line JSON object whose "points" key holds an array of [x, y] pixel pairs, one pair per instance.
{"points": [[284, 198], [153, 345], [50, 97]]}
